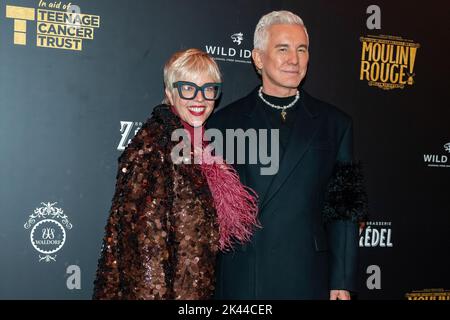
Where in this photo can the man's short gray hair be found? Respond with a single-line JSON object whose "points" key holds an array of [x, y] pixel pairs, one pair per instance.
{"points": [[270, 19]]}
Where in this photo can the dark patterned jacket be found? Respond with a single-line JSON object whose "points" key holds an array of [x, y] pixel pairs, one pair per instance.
{"points": [[308, 243], [162, 235]]}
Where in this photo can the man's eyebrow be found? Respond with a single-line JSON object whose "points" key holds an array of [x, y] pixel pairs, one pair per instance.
{"points": [[284, 45]]}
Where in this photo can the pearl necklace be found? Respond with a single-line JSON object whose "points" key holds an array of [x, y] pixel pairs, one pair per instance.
{"points": [[282, 108]]}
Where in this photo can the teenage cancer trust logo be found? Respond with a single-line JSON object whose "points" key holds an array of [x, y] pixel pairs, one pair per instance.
{"points": [[58, 25], [387, 62], [47, 227]]}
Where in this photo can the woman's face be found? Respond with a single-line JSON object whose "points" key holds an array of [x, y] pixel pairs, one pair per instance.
{"points": [[195, 111]]}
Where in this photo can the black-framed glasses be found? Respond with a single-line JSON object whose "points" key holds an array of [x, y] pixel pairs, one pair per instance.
{"points": [[188, 90]]}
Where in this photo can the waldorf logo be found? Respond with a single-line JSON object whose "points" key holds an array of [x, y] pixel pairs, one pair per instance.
{"points": [[387, 62], [128, 130], [58, 25], [429, 294], [438, 160], [47, 227], [231, 52], [376, 234]]}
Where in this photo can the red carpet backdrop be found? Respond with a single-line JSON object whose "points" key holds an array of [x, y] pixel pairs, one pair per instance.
{"points": [[73, 94]]}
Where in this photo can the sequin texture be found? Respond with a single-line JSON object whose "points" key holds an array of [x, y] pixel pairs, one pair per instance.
{"points": [[161, 237]]}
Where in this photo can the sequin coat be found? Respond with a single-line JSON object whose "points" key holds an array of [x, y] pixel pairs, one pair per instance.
{"points": [[162, 235]]}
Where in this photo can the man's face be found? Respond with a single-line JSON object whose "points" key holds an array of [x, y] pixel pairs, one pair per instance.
{"points": [[284, 61]]}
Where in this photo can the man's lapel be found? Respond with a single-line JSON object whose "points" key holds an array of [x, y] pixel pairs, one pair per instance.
{"points": [[254, 119], [303, 131]]}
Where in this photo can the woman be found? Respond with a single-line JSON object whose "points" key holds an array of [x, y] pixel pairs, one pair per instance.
{"points": [[169, 219]]}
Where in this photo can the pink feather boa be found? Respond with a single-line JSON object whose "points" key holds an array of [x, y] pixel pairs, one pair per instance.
{"points": [[236, 205]]}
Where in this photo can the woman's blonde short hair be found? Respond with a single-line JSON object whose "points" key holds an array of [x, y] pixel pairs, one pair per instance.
{"points": [[189, 64]]}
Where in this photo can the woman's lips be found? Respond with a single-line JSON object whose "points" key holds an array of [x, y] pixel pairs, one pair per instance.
{"points": [[197, 110]]}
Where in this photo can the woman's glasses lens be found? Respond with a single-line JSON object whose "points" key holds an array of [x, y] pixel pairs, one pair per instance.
{"points": [[188, 90]]}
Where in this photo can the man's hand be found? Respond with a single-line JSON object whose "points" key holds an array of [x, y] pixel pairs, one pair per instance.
{"points": [[339, 295]]}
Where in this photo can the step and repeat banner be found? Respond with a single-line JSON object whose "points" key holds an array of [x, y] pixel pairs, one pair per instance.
{"points": [[78, 79]]}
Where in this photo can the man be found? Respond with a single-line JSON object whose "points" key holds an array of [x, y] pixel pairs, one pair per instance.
{"points": [[305, 249]]}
